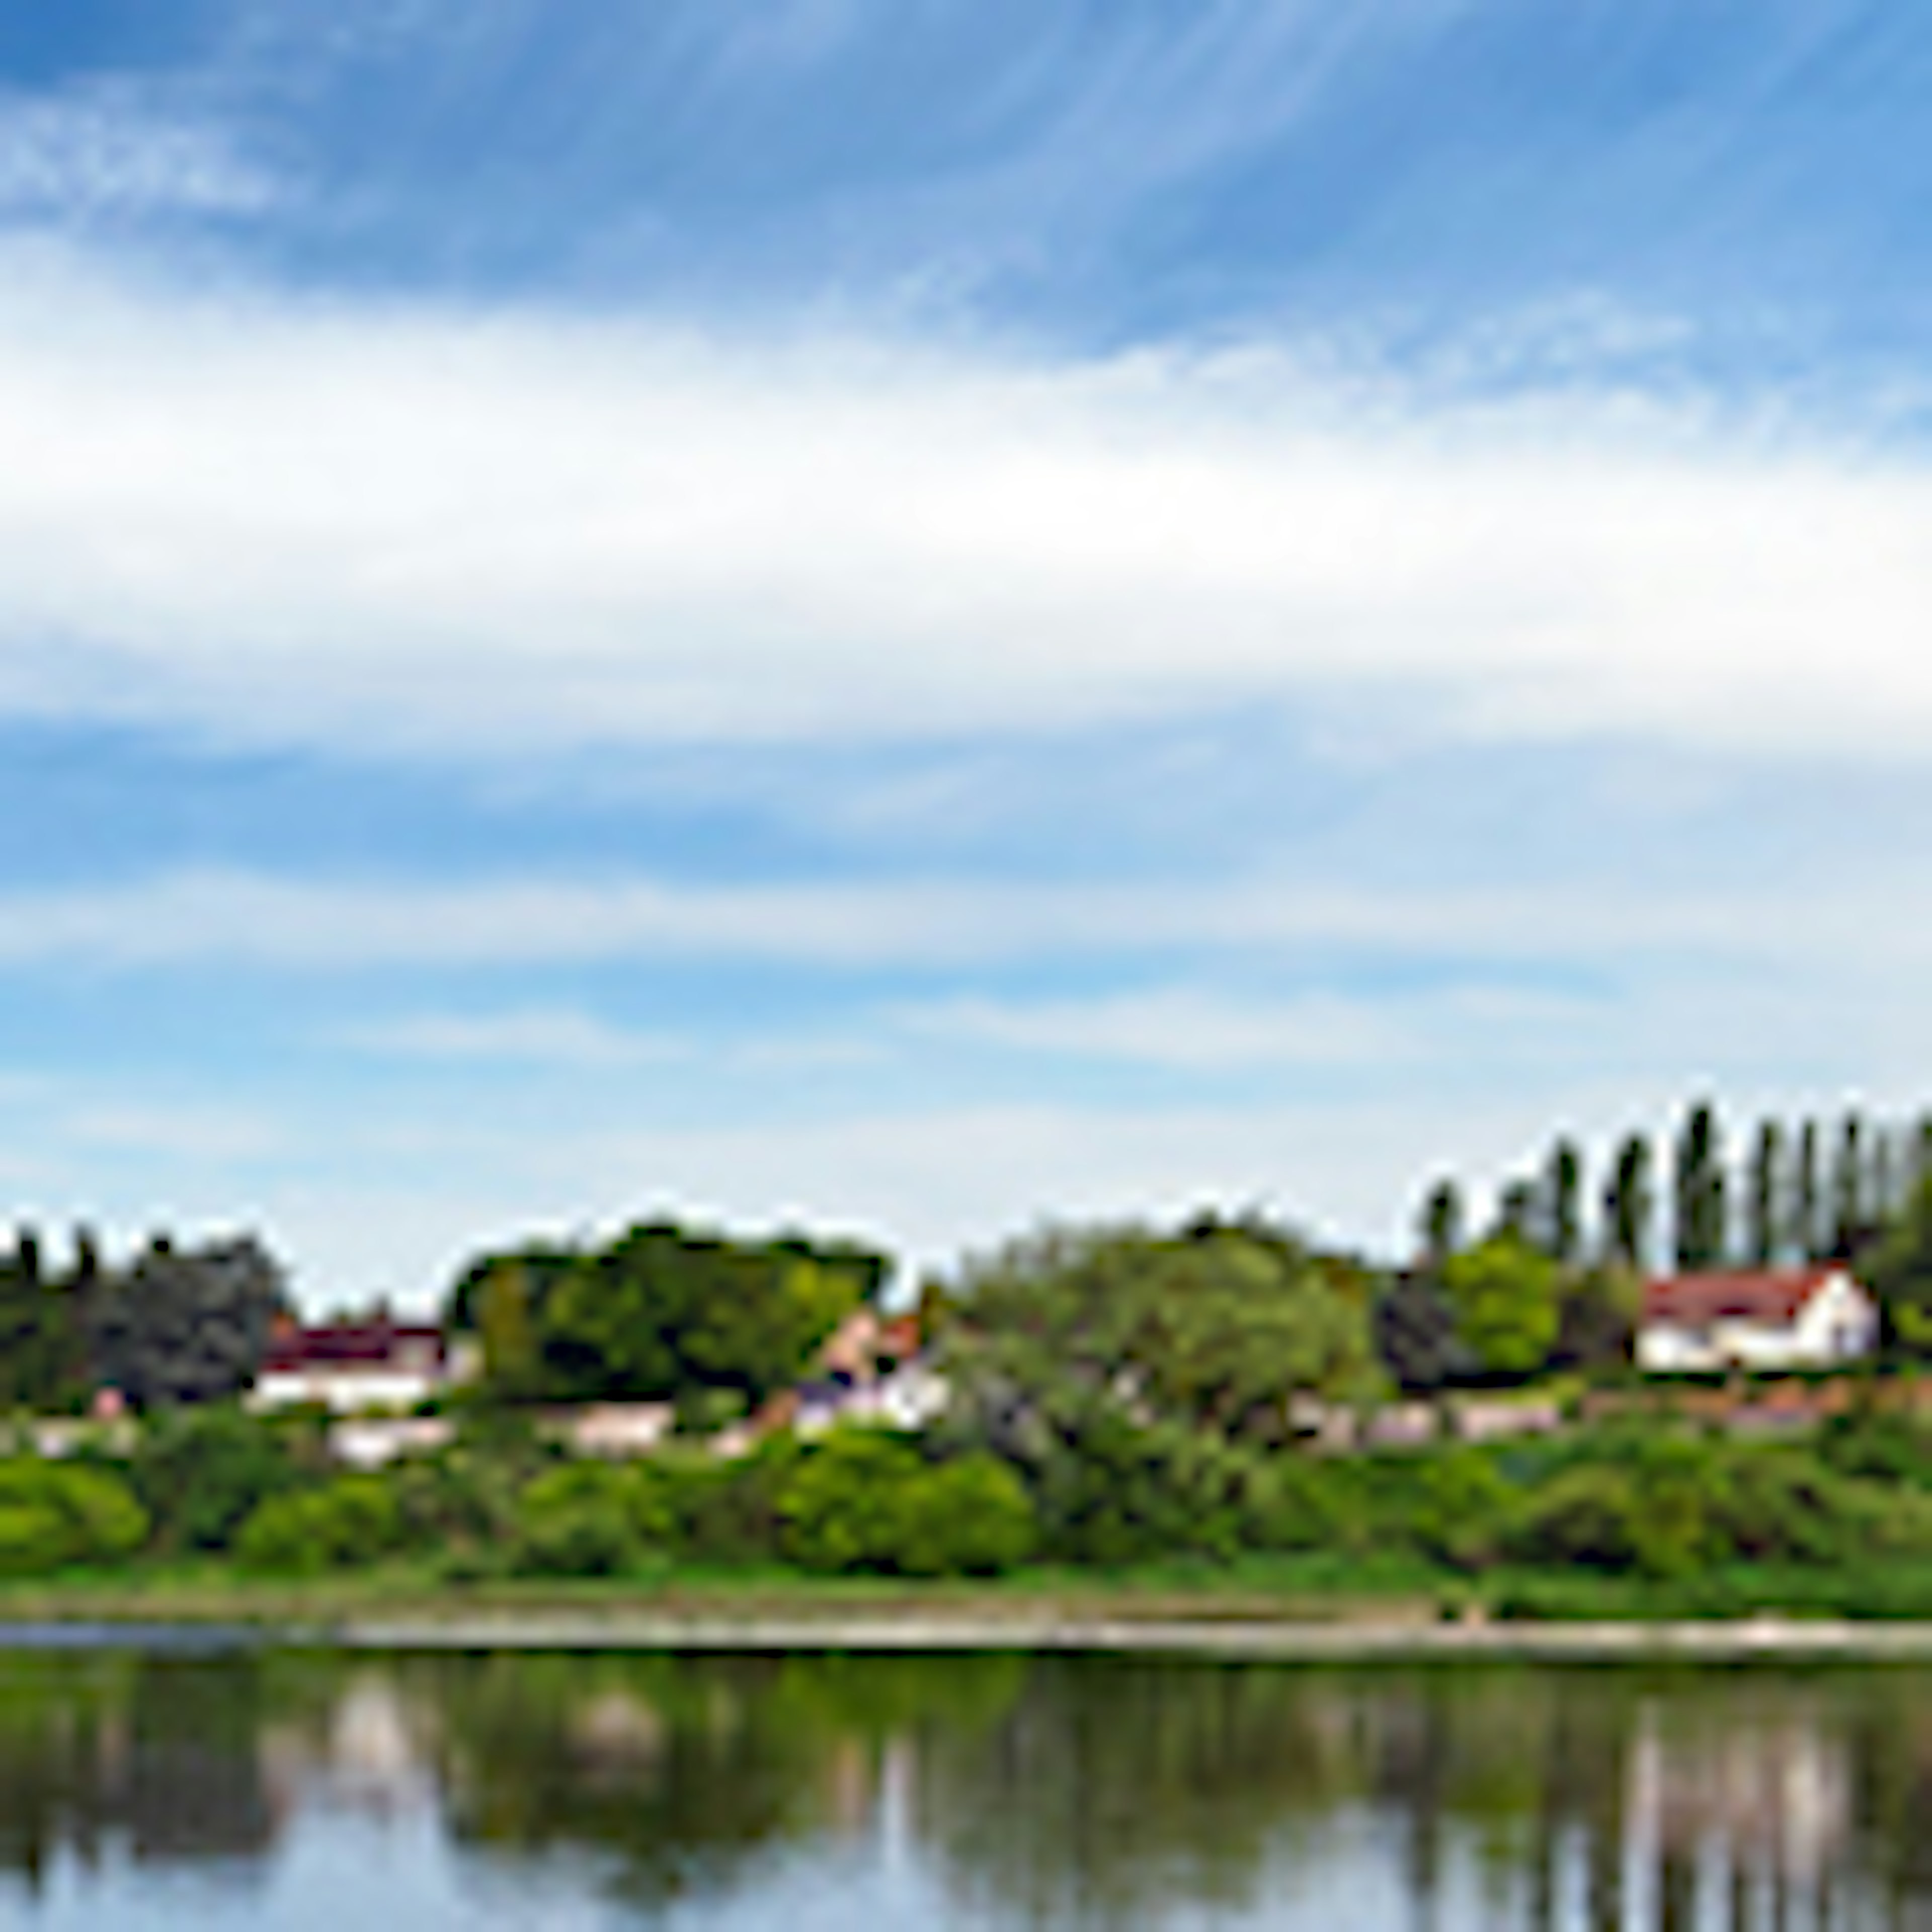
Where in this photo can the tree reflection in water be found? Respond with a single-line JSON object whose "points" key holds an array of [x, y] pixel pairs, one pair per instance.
{"points": [[1030, 1792]]}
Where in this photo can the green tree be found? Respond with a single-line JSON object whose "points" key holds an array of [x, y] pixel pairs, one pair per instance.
{"points": [[185, 1325], [42, 1346], [1415, 1334], [1516, 1210], [1598, 1318], [1698, 1180], [1563, 1191], [662, 1312], [1440, 1224], [1217, 1329], [1630, 1204], [511, 1365], [1900, 1273], [1765, 1208], [1505, 1292], [1848, 1189], [1805, 1237], [1884, 1176]]}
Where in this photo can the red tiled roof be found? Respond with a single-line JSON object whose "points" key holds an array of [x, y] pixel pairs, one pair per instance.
{"points": [[900, 1337], [348, 1345], [1773, 1296]]}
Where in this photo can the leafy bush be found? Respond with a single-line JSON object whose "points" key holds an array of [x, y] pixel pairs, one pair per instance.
{"points": [[351, 1521], [865, 1500], [1459, 1507], [200, 1473], [1589, 1517], [726, 1511], [1880, 1444], [53, 1517], [846, 1507], [1112, 1492], [588, 1519], [968, 1518], [1291, 1503]]}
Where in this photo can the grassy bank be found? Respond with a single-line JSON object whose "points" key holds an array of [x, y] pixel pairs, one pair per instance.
{"points": [[212, 1590], [1320, 1590]]}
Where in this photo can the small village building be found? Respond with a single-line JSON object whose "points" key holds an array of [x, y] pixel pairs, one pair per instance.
{"points": [[353, 1367], [872, 1370], [1773, 1319], [616, 1430]]}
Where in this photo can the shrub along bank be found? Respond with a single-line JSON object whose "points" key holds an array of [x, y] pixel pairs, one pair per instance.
{"points": [[1630, 1520]]}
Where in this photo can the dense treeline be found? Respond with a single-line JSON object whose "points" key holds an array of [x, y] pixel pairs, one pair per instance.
{"points": [[173, 1325], [661, 1313]]}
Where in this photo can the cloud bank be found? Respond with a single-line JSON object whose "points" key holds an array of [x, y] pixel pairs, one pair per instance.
{"points": [[421, 528]]}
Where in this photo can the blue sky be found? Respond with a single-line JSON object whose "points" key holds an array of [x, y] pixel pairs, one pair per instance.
{"points": [[916, 616]]}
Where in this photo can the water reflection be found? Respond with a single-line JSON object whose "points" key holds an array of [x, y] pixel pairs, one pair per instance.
{"points": [[1001, 1791]]}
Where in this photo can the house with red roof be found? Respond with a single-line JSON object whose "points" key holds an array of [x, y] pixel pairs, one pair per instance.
{"points": [[350, 1367], [1817, 1317]]}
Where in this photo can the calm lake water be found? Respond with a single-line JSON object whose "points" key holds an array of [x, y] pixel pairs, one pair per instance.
{"points": [[140, 1790]]}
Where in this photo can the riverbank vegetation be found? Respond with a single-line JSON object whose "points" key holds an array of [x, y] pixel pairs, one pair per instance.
{"points": [[1120, 1402], [1628, 1519]]}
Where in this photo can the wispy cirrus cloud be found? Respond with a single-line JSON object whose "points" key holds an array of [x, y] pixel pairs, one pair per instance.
{"points": [[203, 919], [559, 1037], [1178, 1029], [107, 149]]}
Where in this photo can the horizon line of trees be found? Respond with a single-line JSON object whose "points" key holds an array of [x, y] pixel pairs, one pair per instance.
{"points": [[1811, 1191], [671, 1311]]}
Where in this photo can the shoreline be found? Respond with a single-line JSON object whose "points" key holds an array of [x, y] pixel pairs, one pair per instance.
{"points": [[1741, 1641], [1716, 1642]]}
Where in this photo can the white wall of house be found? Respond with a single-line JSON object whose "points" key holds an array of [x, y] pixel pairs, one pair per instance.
{"points": [[346, 1391], [376, 1441], [617, 1428], [1839, 1323]]}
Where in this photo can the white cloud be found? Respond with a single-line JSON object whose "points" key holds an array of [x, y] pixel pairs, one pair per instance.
{"points": [[1183, 1029], [256, 920], [105, 150], [546, 1037], [417, 527], [176, 1133]]}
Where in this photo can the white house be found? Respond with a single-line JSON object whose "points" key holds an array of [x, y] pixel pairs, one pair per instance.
{"points": [[1777, 1318], [352, 1368]]}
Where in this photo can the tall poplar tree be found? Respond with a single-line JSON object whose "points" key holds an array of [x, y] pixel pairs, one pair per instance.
{"points": [[1764, 1234], [1630, 1204], [1563, 1195], [1517, 1211], [1848, 1189], [1806, 1198], [1699, 1195], [1884, 1196], [1440, 1225]]}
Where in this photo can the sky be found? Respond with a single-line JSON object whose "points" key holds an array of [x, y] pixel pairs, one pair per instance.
{"points": [[916, 615]]}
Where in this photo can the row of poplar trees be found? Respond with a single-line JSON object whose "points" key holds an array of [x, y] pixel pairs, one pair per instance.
{"points": [[1812, 1191]]}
